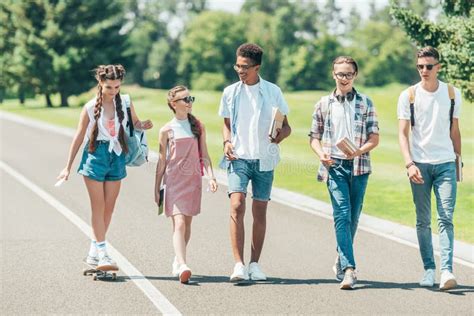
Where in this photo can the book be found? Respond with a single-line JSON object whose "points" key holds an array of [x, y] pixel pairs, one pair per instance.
{"points": [[459, 166], [346, 146], [162, 197], [277, 122]]}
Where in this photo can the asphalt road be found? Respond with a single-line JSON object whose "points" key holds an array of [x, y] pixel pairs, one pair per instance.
{"points": [[42, 251]]}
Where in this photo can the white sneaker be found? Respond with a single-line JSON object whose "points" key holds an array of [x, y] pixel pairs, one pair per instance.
{"points": [[184, 273], [428, 278], [175, 268], [92, 260], [448, 281], [106, 263], [338, 270], [256, 273], [350, 279], [240, 273]]}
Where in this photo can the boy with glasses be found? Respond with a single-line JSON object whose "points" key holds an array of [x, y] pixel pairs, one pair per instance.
{"points": [[429, 157], [250, 153], [345, 117]]}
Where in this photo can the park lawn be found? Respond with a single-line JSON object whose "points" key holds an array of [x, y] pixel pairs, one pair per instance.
{"points": [[388, 194]]}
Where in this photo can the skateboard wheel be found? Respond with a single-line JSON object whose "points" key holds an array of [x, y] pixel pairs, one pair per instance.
{"points": [[84, 272], [114, 276], [95, 277]]}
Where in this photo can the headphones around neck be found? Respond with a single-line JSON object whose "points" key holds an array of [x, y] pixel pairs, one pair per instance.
{"points": [[349, 96]]}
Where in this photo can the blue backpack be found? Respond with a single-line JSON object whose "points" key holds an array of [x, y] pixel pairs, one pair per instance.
{"points": [[136, 140]]}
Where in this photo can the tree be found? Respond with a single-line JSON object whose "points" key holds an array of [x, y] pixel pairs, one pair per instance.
{"points": [[384, 54], [24, 59], [279, 27], [332, 20], [269, 7], [310, 66], [154, 29], [83, 34], [7, 49], [208, 45], [58, 42], [260, 29], [452, 35]]}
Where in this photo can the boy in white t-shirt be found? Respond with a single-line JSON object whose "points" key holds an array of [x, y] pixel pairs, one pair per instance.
{"points": [[430, 157], [251, 154]]}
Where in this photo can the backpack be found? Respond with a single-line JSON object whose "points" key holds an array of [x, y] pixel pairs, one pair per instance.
{"points": [[136, 140], [411, 99]]}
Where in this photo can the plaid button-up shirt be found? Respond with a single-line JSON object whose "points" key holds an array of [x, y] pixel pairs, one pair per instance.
{"points": [[365, 123]]}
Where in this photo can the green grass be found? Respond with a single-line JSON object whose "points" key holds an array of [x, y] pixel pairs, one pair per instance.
{"points": [[388, 194]]}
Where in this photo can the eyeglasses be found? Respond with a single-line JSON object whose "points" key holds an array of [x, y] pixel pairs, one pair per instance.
{"points": [[428, 66], [188, 99], [237, 67], [347, 75]]}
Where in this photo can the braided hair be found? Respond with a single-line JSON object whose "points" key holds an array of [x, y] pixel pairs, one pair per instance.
{"points": [[193, 121], [103, 73]]}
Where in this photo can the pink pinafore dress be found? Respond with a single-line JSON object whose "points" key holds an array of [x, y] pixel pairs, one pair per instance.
{"points": [[183, 171]]}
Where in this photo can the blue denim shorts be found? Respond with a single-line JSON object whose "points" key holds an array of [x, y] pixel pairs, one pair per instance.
{"points": [[241, 171], [102, 165]]}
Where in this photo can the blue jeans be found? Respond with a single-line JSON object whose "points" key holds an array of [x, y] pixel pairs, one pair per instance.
{"points": [[440, 178], [241, 171], [347, 196]]}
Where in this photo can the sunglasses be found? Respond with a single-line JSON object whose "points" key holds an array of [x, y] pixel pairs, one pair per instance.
{"points": [[243, 67], [428, 66], [188, 99], [347, 75]]}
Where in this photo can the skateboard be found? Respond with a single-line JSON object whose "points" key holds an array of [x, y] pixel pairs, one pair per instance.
{"points": [[107, 272]]}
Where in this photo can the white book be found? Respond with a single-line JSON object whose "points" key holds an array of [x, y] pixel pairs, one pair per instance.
{"points": [[277, 122]]}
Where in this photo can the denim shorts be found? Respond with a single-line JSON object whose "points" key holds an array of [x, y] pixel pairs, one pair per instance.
{"points": [[102, 165], [241, 171]]}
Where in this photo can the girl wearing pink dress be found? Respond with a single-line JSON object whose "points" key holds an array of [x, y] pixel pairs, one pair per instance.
{"points": [[183, 157]]}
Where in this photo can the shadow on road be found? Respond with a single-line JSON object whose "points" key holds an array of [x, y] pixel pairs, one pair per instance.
{"points": [[196, 280], [366, 284]]}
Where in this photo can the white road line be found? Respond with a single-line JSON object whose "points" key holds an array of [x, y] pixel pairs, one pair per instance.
{"points": [[153, 294]]}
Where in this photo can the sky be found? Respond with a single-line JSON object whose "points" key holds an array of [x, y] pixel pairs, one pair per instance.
{"points": [[345, 5]]}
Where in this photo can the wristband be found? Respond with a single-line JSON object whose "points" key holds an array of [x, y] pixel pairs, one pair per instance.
{"points": [[226, 141], [411, 163]]}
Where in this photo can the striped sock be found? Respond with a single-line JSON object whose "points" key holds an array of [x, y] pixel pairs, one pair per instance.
{"points": [[101, 248]]}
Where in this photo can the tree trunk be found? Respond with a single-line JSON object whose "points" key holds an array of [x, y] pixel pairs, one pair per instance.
{"points": [[64, 97], [49, 104], [21, 96]]}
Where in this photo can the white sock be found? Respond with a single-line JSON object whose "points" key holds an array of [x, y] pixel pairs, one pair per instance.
{"points": [[93, 249]]}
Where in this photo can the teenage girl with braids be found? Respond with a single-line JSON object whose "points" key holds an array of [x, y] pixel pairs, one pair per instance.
{"points": [[183, 154], [103, 121]]}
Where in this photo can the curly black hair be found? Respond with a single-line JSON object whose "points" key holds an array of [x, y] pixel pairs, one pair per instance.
{"points": [[252, 51]]}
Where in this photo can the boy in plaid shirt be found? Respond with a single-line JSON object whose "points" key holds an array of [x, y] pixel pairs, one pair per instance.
{"points": [[350, 115]]}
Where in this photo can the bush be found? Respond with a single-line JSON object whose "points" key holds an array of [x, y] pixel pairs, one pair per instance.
{"points": [[208, 81]]}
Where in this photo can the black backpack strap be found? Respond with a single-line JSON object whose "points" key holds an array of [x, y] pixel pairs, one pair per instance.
{"points": [[411, 99], [126, 98], [130, 125], [451, 110]]}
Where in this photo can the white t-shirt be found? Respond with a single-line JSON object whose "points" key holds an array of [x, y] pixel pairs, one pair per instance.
{"points": [[430, 137], [181, 128], [246, 144], [342, 124]]}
